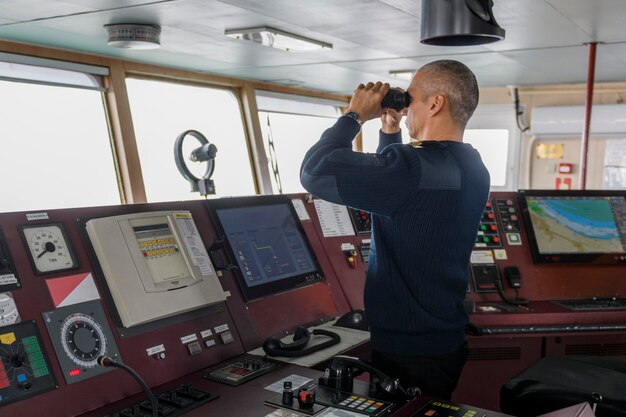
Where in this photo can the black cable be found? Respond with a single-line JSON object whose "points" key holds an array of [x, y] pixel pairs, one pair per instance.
{"points": [[516, 302], [110, 363], [518, 111]]}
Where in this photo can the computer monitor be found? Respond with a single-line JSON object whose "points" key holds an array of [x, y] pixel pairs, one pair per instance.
{"points": [[575, 226], [266, 243]]}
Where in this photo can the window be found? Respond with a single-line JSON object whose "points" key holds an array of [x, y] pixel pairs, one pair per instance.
{"points": [[56, 149], [290, 126], [163, 110], [492, 145], [371, 130], [489, 131], [493, 132]]}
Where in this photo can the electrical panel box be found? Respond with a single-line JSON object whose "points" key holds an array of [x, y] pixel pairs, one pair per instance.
{"points": [[155, 265]]}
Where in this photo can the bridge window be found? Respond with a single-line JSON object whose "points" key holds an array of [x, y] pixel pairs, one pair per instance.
{"points": [[56, 148], [163, 110], [290, 126]]}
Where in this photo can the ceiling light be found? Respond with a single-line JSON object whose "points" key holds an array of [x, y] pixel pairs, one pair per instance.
{"points": [[459, 23], [278, 39], [134, 35], [403, 74]]}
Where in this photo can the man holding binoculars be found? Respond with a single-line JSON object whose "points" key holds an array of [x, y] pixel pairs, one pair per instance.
{"points": [[426, 201]]}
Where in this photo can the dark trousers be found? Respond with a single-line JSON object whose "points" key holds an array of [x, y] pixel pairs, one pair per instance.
{"points": [[435, 376]]}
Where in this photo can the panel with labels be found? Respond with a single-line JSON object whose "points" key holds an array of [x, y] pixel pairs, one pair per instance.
{"points": [[488, 235], [361, 220], [8, 276], [509, 220], [24, 366]]}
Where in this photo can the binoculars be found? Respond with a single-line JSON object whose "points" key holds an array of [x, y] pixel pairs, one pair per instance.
{"points": [[396, 99]]}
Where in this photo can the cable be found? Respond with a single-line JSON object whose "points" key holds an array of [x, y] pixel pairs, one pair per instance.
{"points": [[110, 363], [519, 113], [516, 302]]}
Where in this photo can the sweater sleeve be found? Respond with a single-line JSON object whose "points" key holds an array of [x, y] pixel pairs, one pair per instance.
{"points": [[373, 182], [385, 139]]}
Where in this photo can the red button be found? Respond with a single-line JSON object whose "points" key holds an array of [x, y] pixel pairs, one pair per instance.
{"points": [[496, 239], [490, 215], [493, 227], [488, 204], [4, 383]]}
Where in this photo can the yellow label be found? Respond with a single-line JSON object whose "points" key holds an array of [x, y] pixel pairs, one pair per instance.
{"points": [[7, 338], [182, 215]]}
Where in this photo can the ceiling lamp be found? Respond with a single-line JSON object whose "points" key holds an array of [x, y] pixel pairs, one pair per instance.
{"points": [[276, 38], [402, 74], [459, 23], [134, 35]]}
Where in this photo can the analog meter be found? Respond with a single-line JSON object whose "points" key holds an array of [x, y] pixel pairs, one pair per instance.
{"points": [[48, 247]]}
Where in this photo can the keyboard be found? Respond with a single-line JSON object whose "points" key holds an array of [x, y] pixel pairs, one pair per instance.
{"points": [[593, 304]]}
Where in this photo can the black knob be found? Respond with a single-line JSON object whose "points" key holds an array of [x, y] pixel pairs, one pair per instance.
{"points": [[17, 360], [25, 386]]}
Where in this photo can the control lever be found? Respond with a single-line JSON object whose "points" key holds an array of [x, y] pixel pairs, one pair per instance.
{"points": [[342, 369]]}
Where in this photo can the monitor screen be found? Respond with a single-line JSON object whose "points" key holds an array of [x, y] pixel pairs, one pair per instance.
{"points": [[576, 226], [266, 243]]}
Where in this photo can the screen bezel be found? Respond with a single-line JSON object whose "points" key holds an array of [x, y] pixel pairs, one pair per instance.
{"points": [[564, 258], [273, 287]]}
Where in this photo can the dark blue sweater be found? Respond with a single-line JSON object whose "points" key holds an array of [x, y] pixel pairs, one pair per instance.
{"points": [[426, 204]]}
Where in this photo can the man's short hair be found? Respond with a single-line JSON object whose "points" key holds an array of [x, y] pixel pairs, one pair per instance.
{"points": [[456, 82]]}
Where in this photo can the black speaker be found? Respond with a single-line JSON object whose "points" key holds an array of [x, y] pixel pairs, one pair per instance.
{"points": [[459, 23], [275, 347]]}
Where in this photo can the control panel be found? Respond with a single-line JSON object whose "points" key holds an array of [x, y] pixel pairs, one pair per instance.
{"points": [[240, 370], [172, 403], [509, 220], [488, 235], [80, 334], [24, 365], [8, 276], [361, 220]]}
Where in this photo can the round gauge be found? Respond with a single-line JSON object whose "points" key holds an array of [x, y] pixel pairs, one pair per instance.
{"points": [[8, 310], [49, 248], [83, 339]]}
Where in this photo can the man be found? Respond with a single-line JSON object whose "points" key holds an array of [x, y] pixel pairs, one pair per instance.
{"points": [[426, 201]]}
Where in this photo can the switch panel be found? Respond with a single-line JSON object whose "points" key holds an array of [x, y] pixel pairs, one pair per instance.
{"points": [[488, 235], [362, 221]]}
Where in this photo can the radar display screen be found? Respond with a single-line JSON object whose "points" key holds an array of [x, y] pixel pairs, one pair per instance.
{"points": [[267, 244], [579, 226]]}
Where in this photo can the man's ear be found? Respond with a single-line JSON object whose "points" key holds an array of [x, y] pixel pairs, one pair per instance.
{"points": [[436, 103]]}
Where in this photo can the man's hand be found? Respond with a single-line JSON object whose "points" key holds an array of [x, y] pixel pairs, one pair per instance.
{"points": [[391, 120], [366, 100]]}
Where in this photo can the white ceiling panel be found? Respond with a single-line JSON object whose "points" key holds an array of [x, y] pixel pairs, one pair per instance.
{"points": [[544, 38], [601, 19], [23, 10], [534, 23], [567, 65]]}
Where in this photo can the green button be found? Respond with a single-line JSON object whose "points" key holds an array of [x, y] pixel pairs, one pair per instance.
{"points": [[40, 372], [32, 348], [486, 239], [38, 364], [29, 340], [483, 227], [35, 356]]}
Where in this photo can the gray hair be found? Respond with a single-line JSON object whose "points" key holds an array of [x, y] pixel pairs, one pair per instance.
{"points": [[456, 82]]}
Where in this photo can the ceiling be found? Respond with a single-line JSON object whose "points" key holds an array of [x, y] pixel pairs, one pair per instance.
{"points": [[545, 39]]}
